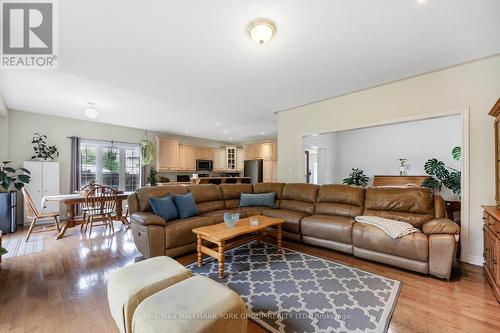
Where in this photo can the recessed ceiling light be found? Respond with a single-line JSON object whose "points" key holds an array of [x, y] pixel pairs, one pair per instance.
{"points": [[262, 133], [230, 139], [217, 123], [91, 112], [261, 30], [186, 131], [226, 132], [316, 134], [421, 1]]}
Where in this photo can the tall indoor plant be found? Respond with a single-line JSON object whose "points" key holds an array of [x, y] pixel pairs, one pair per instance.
{"points": [[441, 174]]}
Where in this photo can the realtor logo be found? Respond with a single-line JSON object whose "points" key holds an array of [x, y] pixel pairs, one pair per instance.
{"points": [[28, 34]]}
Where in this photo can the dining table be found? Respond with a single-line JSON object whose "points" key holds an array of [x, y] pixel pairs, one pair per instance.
{"points": [[71, 201]]}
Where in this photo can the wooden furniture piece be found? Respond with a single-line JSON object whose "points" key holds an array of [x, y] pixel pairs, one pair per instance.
{"points": [[491, 254], [187, 158], [268, 152], [415, 181], [100, 205], [34, 215], [495, 112], [219, 160], [220, 234], [45, 180], [72, 200]]}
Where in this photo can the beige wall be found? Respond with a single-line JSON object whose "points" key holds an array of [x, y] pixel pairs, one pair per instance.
{"points": [[475, 86], [21, 125]]}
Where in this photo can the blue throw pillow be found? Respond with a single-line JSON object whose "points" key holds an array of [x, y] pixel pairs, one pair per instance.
{"points": [[186, 205], [261, 199], [164, 207]]}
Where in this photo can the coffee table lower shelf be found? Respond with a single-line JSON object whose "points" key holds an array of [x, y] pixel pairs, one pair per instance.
{"points": [[230, 242]]}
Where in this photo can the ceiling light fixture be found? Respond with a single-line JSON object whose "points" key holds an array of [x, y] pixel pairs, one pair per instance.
{"points": [[91, 112], [261, 30], [421, 1], [226, 132]]}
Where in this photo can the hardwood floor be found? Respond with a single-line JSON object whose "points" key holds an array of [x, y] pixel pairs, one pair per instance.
{"points": [[63, 288]]}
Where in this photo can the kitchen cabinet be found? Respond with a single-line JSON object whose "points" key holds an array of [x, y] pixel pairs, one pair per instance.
{"points": [[266, 150], [267, 171], [187, 158], [204, 154], [250, 153], [274, 170], [274, 145], [219, 159], [240, 159], [167, 154], [231, 158], [45, 181]]}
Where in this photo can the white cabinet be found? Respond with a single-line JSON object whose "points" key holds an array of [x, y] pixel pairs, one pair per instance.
{"points": [[219, 160], [44, 181], [240, 160], [231, 158]]}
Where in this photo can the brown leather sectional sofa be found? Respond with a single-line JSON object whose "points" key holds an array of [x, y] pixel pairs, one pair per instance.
{"points": [[316, 215]]}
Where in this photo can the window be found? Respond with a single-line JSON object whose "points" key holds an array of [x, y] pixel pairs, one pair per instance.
{"points": [[109, 163]]}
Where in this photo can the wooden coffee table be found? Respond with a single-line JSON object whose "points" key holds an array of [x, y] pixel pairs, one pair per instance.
{"points": [[219, 234]]}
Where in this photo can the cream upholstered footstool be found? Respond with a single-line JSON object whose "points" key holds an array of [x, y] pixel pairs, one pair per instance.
{"points": [[198, 304], [130, 285]]}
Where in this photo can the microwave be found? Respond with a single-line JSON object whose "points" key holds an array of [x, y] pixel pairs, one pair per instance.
{"points": [[204, 165]]}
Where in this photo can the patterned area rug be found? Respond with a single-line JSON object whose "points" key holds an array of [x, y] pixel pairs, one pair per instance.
{"points": [[293, 292], [19, 247]]}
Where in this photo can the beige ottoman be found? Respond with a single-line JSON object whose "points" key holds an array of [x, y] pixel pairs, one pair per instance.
{"points": [[197, 304], [130, 285]]}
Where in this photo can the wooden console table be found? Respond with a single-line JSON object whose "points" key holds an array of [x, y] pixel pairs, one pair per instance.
{"points": [[415, 181]]}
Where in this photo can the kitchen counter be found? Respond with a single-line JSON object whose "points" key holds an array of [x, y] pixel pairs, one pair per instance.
{"points": [[223, 180]]}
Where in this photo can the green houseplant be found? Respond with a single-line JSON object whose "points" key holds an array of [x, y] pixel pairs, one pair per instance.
{"points": [[356, 177], [441, 174], [3, 251], [152, 177], [41, 149], [11, 177]]}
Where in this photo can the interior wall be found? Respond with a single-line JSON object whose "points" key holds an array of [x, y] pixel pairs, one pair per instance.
{"points": [[377, 150], [4, 135], [21, 126], [475, 86]]}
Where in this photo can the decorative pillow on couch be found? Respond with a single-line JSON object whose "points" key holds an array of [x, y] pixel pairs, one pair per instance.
{"points": [[164, 207], [261, 199], [186, 205]]}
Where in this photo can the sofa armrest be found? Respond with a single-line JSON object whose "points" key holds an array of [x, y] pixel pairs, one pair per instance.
{"points": [[147, 218], [440, 226]]}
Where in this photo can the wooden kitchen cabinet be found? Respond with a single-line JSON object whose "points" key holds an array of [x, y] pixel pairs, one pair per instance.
{"points": [[274, 170], [250, 153], [231, 158], [240, 159], [219, 160], [267, 171], [266, 150], [491, 254], [274, 145], [167, 154], [187, 158], [205, 154]]}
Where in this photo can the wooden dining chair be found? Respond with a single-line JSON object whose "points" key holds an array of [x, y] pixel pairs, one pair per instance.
{"points": [[34, 215], [81, 208], [100, 206]]}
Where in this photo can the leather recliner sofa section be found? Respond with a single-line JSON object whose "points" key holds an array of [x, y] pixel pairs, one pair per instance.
{"points": [[317, 215]]}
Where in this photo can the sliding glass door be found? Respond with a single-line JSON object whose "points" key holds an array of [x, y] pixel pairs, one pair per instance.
{"points": [[109, 163]]}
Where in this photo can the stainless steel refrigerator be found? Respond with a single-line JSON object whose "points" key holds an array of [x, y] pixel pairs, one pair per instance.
{"points": [[8, 205], [253, 169]]}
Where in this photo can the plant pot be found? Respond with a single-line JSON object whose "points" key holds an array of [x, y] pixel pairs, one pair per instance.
{"points": [[8, 203]]}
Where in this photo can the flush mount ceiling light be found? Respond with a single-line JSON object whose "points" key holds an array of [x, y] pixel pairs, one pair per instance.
{"points": [[261, 30], [91, 112]]}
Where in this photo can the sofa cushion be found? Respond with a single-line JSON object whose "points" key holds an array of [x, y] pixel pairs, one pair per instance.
{"points": [[186, 205], [341, 200], [299, 197], [231, 193], [257, 200], [144, 193], [164, 207], [178, 232], [329, 227], [411, 205], [414, 246], [208, 197], [292, 218], [270, 187]]}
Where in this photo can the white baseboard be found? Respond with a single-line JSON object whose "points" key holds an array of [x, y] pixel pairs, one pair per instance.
{"points": [[475, 260]]}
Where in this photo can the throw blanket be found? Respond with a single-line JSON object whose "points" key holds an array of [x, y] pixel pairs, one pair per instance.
{"points": [[394, 229]]}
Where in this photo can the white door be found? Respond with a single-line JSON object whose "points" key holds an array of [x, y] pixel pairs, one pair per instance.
{"points": [[50, 183], [322, 166]]}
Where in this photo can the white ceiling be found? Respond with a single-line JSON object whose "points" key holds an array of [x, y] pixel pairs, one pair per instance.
{"points": [[178, 66]]}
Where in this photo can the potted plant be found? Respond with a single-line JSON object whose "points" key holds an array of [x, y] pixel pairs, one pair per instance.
{"points": [[42, 151], [11, 179], [152, 181], [356, 177], [441, 174], [2, 251]]}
